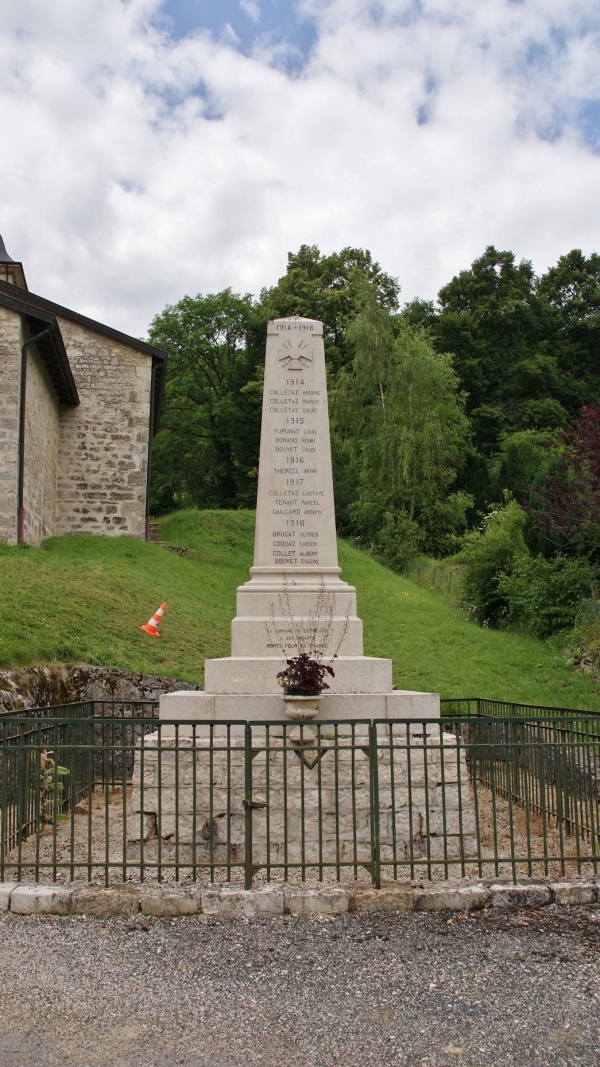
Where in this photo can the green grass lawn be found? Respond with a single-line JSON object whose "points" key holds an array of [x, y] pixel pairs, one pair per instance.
{"points": [[81, 599]]}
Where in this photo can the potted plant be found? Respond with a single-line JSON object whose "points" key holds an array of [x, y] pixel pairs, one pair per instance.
{"points": [[304, 676], [303, 681]]}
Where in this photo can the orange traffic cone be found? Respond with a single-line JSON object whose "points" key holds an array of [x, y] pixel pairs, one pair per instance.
{"points": [[151, 627]]}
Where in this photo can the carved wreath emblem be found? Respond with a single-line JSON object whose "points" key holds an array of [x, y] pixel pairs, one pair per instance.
{"points": [[297, 354]]}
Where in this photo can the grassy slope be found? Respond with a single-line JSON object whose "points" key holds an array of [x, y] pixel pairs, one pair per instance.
{"points": [[82, 599]]}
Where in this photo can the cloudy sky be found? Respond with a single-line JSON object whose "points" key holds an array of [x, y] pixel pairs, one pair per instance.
{"points": [[152, 148]]}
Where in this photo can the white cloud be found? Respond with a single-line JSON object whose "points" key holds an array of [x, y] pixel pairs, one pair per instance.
{"points": [[137, 168], [251, 9]]}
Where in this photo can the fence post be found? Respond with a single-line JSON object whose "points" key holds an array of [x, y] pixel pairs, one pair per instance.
{"points": [[374, 803], [248, 872], [516, 750], [569, 801], [23, 785]]}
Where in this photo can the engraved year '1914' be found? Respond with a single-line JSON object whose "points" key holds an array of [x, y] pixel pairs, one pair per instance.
{"points": [[304, 326]]}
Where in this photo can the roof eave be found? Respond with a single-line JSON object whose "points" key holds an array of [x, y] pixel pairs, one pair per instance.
{"points": [[41, 303]]}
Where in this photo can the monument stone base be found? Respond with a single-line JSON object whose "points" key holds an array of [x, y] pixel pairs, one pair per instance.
{"points": [[313, 796], [269, 707], [239, 687]]}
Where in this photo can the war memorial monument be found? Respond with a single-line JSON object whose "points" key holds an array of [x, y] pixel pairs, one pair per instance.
{"points": [[296, 540], [304, 768]]}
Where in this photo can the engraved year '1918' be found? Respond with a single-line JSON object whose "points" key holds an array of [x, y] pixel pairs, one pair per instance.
{"points": [[305, 326]]}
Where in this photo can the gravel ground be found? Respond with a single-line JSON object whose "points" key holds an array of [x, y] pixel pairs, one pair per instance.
{"points": [[432, 989]]}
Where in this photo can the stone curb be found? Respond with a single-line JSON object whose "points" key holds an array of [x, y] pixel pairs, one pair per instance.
{"points": [[230, 901]]}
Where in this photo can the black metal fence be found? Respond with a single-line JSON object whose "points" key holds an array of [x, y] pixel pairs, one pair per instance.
{"points": [[113, 709], [107, 798], [504, 709]]}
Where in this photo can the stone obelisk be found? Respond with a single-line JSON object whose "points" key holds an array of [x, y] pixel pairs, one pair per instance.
{"points": [[295, 521], [295, 555]]}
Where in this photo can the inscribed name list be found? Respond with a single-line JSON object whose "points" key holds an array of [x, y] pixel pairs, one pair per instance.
{"points": [[295, 524]]}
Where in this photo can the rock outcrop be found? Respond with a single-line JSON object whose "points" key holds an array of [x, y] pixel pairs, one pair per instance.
{"points": [[38, 687]]}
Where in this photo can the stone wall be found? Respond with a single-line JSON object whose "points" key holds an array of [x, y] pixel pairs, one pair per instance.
{"points": [[42, 417], [39, 687], [10, 365], [103, 446]]}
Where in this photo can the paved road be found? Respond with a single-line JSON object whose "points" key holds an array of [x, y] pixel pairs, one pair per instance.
{"points": [[431, 989]]}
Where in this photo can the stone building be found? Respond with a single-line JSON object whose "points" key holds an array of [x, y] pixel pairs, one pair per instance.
{"points": [[79, 405]]}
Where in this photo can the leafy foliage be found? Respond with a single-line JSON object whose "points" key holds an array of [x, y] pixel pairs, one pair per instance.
{"points": [[436, 411], [398, 407], [493, 322], [51, 788], [304, 675], [570, 292], [566, 507], [489, 554], [206, 452], [522, 460], [328, 288], [544, 596]]}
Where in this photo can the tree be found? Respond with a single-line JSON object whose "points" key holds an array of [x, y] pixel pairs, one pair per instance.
{"points": [[566, 507], [498, 330], [327, 288], [206, 452], [522, 460], [399, 405], [571, 293]]}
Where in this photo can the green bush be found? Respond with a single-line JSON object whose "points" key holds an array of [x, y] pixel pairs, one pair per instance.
{"points": [[544, 595], [398, 540], [443, 524], [585, 638], [392, 537], [487, 555]]}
